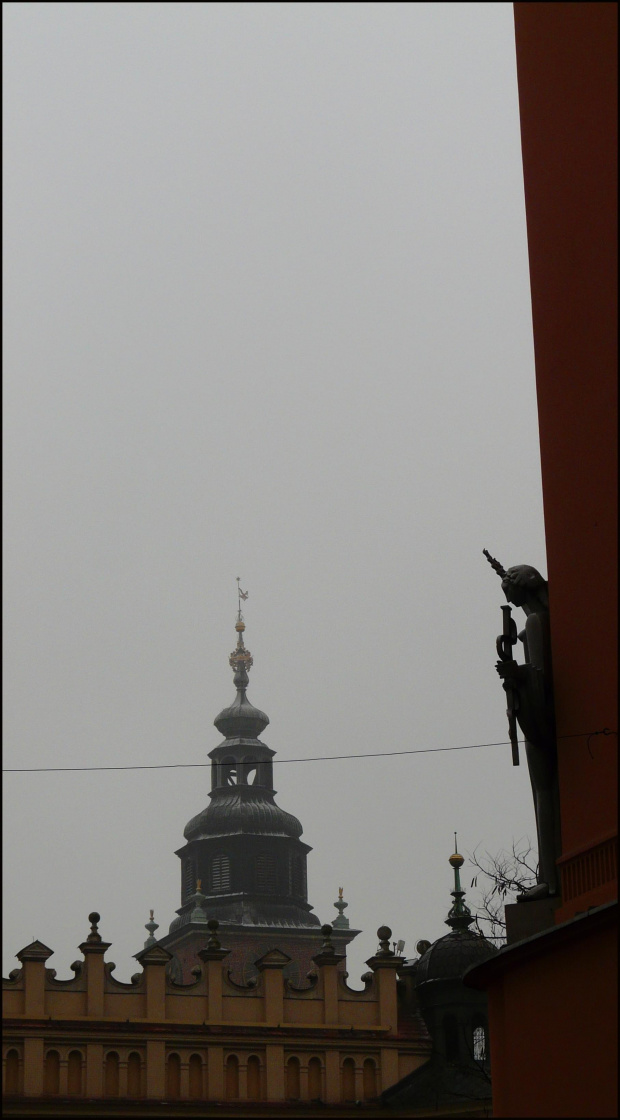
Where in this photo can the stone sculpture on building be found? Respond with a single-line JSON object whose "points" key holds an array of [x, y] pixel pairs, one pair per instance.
{"points": [[529, 692]]}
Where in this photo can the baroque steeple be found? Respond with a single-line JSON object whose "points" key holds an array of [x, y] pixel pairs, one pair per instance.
{"points": [[245, 850]]}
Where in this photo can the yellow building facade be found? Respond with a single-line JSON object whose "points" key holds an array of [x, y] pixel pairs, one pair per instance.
{"points": [[94, 1045]]}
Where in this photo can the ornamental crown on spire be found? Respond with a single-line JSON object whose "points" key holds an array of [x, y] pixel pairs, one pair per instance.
{"points": [[240, 660]]}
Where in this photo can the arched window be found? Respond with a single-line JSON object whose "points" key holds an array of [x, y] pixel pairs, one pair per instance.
{"points": [[173, 1077], [315, 1079], [253, 1075], [228, 772], [480, 1043], [134, 1075], [11, 1077], [220, 873], [248, 771], [265, 874], [195, 1077], [293, 1080], [232, 1077], [110, 1075], [74, 1073], [348, 1080], [369, 1080], [451, 1038], [51, 1076]]}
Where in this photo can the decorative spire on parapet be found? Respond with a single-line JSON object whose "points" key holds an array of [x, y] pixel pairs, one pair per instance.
{"points": [[151, 926], [213, 950], [94, 943], [94, 937], [327, 954], [384, 933], [340, 922], [240, 660], [459, 916], [199, 902]]}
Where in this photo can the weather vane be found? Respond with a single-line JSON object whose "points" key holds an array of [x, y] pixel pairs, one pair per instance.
{"points": [[240, 595]]}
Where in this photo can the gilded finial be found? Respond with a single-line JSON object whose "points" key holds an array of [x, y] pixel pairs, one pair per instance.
{"points": [[341, 922], [456, 860], [240, 659], [459, 916]]}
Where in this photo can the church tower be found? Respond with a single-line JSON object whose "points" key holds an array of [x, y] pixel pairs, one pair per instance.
{"points": [[244, 862]]}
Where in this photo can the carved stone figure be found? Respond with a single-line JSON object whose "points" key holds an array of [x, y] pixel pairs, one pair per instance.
{"points": [[529, 689]]}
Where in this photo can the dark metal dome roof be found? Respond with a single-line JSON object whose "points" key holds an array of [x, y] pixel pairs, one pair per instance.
{"points": [[253, 912], [241, 719], [450, 956], [237, 811]]}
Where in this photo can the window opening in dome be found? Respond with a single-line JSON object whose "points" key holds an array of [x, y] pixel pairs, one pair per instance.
{"points": [[265, 874], [248, 771], [220, 873], [228, 772], [480, 1044]]}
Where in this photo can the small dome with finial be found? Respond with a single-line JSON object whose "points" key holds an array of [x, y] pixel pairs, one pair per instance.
{"points": [[449, 956], [241, 719]]}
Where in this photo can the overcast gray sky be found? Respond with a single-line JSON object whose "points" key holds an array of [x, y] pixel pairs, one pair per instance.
{"points": [[267, 315]]}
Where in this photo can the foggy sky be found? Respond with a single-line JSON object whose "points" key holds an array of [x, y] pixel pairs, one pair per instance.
{"points": [[267, 315]]}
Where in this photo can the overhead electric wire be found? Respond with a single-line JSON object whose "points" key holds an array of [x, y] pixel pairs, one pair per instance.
{"points": [[282, 761]]}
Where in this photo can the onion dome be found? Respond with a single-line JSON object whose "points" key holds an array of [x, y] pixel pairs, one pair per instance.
{"points": [[450, 956]]}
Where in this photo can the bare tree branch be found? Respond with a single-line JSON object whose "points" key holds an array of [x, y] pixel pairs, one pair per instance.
{"points": [[503, 877]]}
